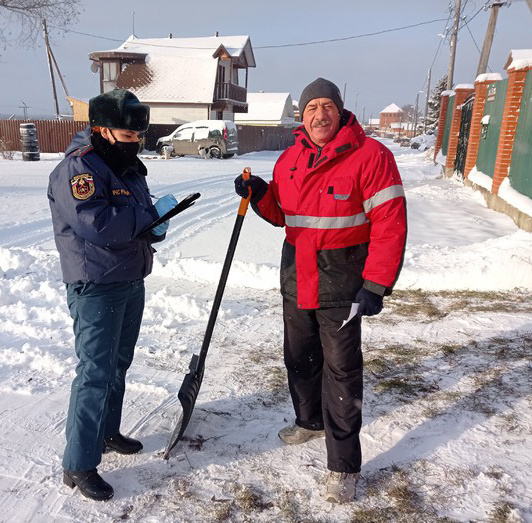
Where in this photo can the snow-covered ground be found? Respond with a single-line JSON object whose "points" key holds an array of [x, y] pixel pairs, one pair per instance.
{"points": [[448, 372]]}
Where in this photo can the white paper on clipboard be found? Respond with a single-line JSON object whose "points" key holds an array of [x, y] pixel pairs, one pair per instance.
{"points": [[352, 314]]}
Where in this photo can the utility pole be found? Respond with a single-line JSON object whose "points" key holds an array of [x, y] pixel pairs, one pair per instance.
{"points": [[415, 113], [454, 39], [58, 71], [47, 44], [427, 102], [25, 108], [488, 39], [343, 98]]}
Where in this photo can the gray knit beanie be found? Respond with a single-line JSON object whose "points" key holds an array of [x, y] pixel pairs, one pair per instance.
{"points": [[320, 88]]}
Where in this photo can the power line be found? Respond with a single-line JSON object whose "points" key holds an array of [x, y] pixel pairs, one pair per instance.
{"points": [[473, 38], [316, 42], [352, 37]]}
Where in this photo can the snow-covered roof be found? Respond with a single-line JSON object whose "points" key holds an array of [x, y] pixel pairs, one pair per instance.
{"points": [[448, 92], [488, 77], [401, 125], [464, 86], [177, 69], [267, 107], [392, 108], [374, 121], [519, 59]]}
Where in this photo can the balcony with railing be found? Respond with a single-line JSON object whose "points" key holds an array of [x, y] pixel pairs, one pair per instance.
{"points": [[227, 91]]}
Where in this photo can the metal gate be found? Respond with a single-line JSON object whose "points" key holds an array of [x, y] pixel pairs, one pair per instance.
{"points": [[463, 137]]}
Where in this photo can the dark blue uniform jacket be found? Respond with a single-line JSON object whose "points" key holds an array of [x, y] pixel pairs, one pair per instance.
{"points": [[97, 215]]}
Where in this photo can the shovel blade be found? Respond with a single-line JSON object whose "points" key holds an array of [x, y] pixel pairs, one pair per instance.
{"points": [[188, 393]]}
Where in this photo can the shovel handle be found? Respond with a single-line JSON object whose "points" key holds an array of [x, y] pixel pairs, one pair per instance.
{"points": [[242, 209]]}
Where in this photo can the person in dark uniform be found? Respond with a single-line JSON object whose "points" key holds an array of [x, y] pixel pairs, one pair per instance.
{"points": [[100, 202]]}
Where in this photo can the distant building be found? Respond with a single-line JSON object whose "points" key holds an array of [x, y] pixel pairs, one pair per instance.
{"points": [[271, 109], [392, 114], [80, 109], [373, 123], [181, 79]]}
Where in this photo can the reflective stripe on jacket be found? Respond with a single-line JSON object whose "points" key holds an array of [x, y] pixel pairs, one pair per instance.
{"points": [[343, 207]]}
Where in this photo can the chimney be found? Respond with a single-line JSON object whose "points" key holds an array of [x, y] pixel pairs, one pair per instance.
{"points": [[216, 33], [170, 35]]}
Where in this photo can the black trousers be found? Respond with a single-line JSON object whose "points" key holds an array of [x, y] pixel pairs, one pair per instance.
{"points": [[324, 368]]}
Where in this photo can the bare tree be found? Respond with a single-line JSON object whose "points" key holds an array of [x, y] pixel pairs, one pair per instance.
{"points": [[20, 20]]}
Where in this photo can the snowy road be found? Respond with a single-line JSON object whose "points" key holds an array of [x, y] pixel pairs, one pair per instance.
{"points": [[447, 397]]}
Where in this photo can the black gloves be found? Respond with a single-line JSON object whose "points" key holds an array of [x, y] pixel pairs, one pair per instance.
{"points": [[257, 184], [369, 302]]}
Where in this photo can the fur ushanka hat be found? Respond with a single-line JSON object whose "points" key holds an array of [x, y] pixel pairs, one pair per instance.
{"points": [[119, 109]]}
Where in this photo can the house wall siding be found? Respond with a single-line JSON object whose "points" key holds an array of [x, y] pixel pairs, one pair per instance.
{"points": [[174, 114]]}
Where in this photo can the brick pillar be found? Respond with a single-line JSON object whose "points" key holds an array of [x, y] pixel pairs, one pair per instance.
{"points": [[514, 95], [461, 93], [441, 121], [481, 90]]}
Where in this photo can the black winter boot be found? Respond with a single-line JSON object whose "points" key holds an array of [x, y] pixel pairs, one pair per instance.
{"points": [[90, 484], [122, 444]]}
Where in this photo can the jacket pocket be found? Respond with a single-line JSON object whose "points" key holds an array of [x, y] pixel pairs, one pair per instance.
{"points": [[338, 196]]}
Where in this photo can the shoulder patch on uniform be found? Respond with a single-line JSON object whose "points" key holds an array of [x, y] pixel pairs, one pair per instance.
{"points": [[83, 150], [82, 186]]}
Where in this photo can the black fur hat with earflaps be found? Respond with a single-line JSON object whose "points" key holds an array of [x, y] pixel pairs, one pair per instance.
{"points": [[119, 109]]}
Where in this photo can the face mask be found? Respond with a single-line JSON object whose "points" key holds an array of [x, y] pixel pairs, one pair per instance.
{"points": [[126, 151]]}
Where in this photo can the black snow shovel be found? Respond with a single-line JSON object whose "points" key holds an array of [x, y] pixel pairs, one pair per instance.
{"points": [[188, 393]]}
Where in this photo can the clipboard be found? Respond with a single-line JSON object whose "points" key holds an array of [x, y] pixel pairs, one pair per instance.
{"points": [[185, 203]]}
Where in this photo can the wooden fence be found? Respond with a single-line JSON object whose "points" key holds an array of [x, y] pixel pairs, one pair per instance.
{"points": [[54, 136], [263, 138]]}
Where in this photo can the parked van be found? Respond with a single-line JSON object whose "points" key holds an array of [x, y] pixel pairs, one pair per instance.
{"points": [[211, 138]]}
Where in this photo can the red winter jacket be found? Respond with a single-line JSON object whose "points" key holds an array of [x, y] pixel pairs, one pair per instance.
{"points": [[343, 207]]}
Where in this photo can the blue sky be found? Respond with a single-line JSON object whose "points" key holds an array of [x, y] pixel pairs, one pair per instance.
{"points": [[373, 71]]}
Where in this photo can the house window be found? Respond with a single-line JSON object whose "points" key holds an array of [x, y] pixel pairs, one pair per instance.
{"points": [[110, 71], [221, 74], [235, 76], [219, 115]]}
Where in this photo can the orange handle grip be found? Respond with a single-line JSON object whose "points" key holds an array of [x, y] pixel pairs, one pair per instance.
{"points": [[244, 202]]}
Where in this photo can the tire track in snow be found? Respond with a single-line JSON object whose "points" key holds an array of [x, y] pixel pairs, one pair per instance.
{"points": [[211, 209], [27, 234], [200, 217]]}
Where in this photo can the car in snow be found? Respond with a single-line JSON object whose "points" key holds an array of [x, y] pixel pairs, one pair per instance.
{"points": [[423, 141], [206, 138]]}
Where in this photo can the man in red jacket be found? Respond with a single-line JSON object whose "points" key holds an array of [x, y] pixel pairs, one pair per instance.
{"points": [[340, 198]]}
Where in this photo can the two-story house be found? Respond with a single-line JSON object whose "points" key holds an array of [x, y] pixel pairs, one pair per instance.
{"points": [[181, 79]]}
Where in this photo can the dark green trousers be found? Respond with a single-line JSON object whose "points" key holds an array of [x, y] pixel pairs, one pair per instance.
{"points": [[107, 320]]}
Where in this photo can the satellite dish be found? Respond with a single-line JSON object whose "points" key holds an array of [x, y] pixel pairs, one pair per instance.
{"points": [[95, 67]]}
